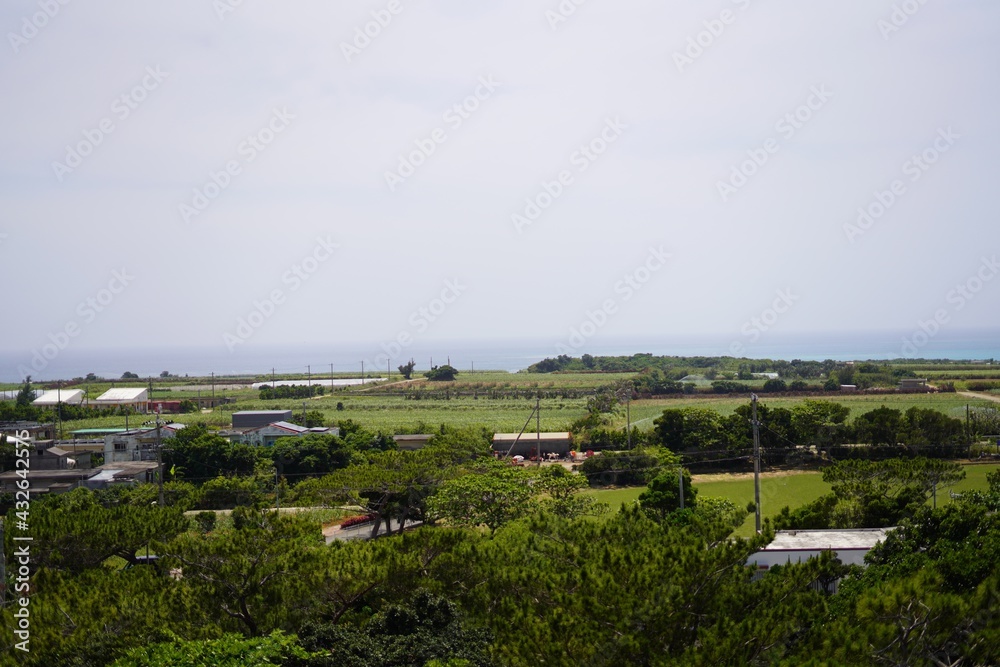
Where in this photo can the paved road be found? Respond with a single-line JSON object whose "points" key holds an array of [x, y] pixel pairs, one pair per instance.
{"points": [[364, 531]]}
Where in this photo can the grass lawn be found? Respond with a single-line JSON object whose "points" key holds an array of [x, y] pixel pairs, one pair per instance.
{"points": [[793, 490]]}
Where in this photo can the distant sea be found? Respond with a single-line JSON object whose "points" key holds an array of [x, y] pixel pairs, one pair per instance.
{"points": [[507, 355]]}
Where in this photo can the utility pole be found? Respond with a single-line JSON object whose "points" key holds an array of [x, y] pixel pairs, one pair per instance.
{"points": [[309, 378], [279, 464], [362, 371], [272, 378], [756, 462], [331, 377], [538, 429], [968, 427], [213, 389], [3, 567], [628, 427], [680, 484], [159, 458]]}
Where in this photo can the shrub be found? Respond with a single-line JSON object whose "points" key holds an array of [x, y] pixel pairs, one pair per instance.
{"points": [[206, 521], [982, 386], [775, 385]]}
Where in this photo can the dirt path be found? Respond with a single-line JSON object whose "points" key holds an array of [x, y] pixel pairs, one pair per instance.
{"points": [[391, 384], [985, 397], [732, 476]]}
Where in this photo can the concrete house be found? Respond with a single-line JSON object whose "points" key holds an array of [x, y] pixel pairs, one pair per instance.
{"points": [[266, 435], [137, 444], [913, 385]]}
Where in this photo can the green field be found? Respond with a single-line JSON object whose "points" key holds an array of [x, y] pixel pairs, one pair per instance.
{"points": [[398, 413], [497, 400], [776, 492]]}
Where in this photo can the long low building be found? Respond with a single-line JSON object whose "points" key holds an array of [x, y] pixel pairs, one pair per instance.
{"points": [[54, 397], [258, 418], [527, 444], [849, 545], [412, 441], [137, 397], [30, 430], [61, 481]]}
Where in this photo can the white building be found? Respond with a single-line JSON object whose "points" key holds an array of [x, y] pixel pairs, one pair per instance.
{"points": [[849, 545], [54, 397], [136, 397]]}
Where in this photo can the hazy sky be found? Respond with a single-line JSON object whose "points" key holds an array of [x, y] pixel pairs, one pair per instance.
{"points": [[514, 169]]}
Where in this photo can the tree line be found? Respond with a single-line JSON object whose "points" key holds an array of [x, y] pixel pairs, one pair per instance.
{"points": [[804, 431], [673, 368], [649, 585]]}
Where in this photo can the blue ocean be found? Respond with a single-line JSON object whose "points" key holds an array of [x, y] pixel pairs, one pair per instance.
{"points": [[507, 355]]}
